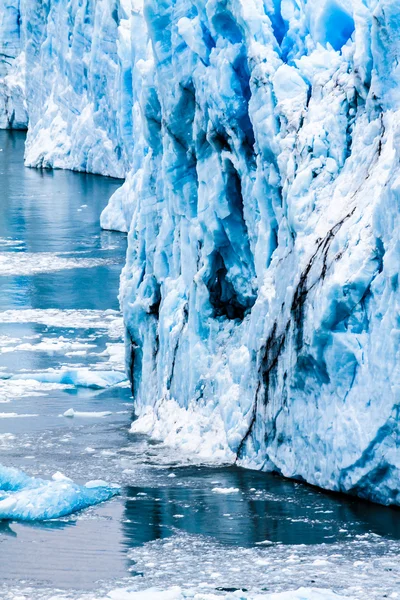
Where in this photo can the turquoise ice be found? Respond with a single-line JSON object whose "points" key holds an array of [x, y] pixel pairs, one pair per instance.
{"points": [[24, 498]]}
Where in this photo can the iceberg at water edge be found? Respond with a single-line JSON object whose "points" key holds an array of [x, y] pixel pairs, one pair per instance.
{"points": [[24, 498]]}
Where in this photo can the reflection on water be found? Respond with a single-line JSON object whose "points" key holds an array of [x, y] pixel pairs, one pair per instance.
{"points": [[58, 213], [264, 509], [5, 529], [96, 545]]}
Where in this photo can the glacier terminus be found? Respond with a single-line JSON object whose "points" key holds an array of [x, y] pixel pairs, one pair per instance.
{"points": [[259, 142]]}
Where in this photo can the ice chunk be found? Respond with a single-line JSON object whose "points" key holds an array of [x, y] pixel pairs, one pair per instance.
{"points": [[12, 415], [219, 490], [60, 477], [74, 413], [26, 263], [108, 320], [31, 499]]}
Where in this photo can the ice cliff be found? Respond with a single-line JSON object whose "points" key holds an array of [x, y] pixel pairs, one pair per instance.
{"points": [[13, 113], [261, 144], [76, 82]]}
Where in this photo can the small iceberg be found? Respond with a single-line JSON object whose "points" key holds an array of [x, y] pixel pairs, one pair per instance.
{"points": [[76, 377], [71, 413], [24, 498]]}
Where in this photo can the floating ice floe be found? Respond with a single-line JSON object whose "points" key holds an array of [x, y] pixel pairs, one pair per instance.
{"points": [[219, 490], [49, 345], [77, 377], [71, 413], [12, 389], [109, 320], [13, 263], [13, 415], [25, 498]]}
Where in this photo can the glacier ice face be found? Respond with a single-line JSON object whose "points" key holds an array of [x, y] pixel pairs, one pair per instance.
{"points": [[13, 112], [25, 498], [260, 293], [78, 119], [76, 82]]}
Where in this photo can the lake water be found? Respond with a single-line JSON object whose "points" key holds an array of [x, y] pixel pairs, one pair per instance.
{"points": [[59, 276]]}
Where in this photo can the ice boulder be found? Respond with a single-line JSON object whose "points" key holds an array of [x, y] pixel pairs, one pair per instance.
{"points": [[24, 498]]}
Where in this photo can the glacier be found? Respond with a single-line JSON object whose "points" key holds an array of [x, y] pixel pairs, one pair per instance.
{"points": [[13, 110], [25, 498], [259, 143]]}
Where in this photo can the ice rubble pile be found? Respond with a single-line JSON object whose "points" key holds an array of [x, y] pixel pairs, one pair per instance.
{"points": [[25, 498], [261, 294]]}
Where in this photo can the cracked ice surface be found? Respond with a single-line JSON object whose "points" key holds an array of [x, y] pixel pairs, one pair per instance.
{"points": [[260, 293]]}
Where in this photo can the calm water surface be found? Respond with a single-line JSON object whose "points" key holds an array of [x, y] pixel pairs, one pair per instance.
{"points": [[59, 276]]}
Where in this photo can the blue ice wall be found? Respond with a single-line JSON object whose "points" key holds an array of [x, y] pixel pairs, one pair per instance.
{"points": [[13, 113], [260, 292], [77, 82], [260, 143]]}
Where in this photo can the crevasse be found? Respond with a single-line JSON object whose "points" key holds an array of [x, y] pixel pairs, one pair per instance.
{"points": [[260, 144]]}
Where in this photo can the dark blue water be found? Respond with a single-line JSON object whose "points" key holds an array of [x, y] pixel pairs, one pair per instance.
{"points": [[59, 277]]}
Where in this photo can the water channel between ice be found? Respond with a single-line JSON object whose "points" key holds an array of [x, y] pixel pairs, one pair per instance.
{"points": [[176, 522]]}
